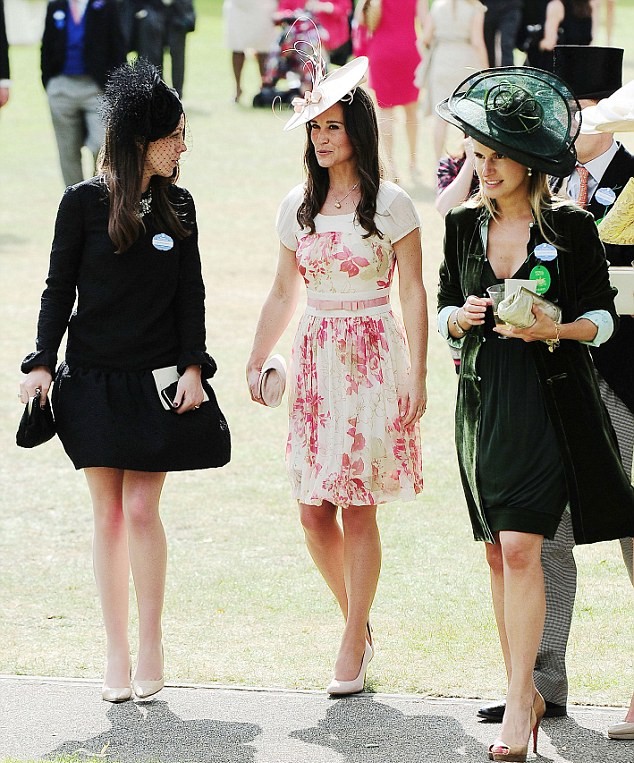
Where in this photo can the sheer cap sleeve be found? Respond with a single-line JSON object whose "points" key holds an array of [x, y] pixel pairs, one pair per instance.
{"points": [[286, 223], [397, 215]]}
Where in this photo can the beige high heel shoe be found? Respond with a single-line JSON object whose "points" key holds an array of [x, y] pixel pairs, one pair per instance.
{"points": [[501, 751], [147, 688], [118, 693], [341, 688]]}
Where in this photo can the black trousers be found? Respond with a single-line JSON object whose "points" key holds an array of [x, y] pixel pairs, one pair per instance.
{"points": [[155, 32], [505, 18]]}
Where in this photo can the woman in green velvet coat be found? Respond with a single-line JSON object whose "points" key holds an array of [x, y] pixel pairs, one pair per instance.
{"points": [[532, 434]]}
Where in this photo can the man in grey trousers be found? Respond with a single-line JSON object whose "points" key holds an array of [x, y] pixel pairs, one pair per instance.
{"points": [[82, 42]]}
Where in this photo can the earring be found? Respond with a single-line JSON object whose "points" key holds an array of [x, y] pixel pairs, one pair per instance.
{"points": [[530, 172]]}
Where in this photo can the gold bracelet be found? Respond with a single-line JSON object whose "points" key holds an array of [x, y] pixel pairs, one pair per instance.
{"points": [[554, 343], [459, 329]]}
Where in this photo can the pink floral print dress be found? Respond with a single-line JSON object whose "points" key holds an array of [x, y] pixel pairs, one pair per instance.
{"points": [[349, 367]]}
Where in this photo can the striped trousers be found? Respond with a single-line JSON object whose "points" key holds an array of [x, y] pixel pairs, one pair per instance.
{"points": [[560, 570]]}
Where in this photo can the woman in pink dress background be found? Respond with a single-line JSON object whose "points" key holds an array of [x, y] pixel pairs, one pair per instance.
{"points": [[393, 53]]}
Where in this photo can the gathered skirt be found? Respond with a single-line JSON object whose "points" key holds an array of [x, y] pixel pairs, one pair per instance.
{"points": [[348, 384], [113, 418], [520, 470]]}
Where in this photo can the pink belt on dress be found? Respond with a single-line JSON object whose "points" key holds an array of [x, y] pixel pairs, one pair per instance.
{"points": [[346, 304]]}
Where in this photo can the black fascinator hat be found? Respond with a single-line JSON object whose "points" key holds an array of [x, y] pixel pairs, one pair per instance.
{"points": [[524, 113], [137, 104]]}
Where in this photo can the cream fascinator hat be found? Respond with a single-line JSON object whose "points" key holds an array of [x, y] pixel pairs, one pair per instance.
{"points": [[612, 114], [328, 90]]}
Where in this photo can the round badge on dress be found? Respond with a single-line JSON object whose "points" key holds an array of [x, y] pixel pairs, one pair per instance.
{"points": [[605, 196], [545, 252], [162, 242], [540, 274]]}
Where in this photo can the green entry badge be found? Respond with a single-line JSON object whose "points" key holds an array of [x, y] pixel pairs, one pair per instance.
{"points": [[540, 274]]}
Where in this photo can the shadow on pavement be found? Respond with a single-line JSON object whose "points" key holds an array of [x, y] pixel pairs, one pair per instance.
{"points": [[363, 730], [149, 731], [582, 745]]}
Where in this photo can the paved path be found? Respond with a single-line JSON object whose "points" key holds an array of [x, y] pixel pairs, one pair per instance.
{"points": [[45, 717]]}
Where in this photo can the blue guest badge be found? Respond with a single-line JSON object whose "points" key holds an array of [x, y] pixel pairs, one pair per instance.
{"points": [[545, 252], [162, 242], [605, 196], [59, 19]]}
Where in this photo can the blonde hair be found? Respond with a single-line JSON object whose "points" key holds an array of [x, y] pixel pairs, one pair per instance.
{"points": [[540, 198]]}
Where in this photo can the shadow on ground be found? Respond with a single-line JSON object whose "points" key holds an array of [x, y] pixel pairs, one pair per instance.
{"points": [[150, 731], [365, 730]]}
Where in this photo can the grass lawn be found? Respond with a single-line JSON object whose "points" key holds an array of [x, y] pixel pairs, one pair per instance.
{"points": [[244, 604]]}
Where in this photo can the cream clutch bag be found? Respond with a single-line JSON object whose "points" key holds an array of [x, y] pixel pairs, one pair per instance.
{"points": [[617, 227], [517, 309]]}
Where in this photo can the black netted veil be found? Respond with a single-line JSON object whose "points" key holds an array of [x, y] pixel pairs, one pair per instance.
{"points": [[137, 104]]}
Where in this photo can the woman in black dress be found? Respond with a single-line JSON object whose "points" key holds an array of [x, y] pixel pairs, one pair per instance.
{"points": [[126, 248], [532, 434], [566, 22]]}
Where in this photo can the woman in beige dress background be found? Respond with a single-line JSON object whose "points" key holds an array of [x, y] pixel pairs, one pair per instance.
{"points": [[248, 25], [453, 33]]}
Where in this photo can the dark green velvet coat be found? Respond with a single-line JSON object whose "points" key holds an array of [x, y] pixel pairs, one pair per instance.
{"points": [[600, 494]]}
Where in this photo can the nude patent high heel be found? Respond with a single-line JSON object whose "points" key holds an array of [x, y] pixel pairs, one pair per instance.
{"points": [[144, 689], [112, 694], [501, 751], [539, 709], [341, 688], [117, 693]]}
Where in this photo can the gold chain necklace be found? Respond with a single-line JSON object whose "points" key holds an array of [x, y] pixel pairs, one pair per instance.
{"points": [[338, 201]]}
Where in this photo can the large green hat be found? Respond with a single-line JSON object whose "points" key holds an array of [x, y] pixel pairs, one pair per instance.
{"points": [[524, 113]]}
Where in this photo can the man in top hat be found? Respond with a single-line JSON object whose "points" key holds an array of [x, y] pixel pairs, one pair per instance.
{"points": [[603, 169]]}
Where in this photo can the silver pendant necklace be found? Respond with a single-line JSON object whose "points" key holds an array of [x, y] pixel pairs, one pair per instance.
{"points": [[338, 201]]}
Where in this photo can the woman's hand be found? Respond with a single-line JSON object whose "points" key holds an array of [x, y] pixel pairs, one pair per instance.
{"points": [[473, 310], [253, 380], [189, 392], [415, 403], [38, 378], [544, 328]]}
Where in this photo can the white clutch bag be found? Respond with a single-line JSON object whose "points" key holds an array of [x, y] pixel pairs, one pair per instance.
{"points": [[517, 309], [273, 381]]}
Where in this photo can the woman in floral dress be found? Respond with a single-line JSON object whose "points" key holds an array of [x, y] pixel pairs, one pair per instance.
{"points": [[357, 377]]}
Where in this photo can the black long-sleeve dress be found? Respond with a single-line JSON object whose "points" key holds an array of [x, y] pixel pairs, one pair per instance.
{"points": [[133, 312]]}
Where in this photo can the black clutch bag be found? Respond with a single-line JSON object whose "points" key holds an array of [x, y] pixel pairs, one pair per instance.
{"points": [[37, 424]]}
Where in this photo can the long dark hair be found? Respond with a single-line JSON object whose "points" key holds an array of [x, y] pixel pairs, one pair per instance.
{"points": [[361, 125], [121, 164]]}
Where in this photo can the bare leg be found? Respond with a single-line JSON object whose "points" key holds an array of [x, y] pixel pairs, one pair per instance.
{"points": [[524, 611], [237, 62], [386, 126], [411, 128], [148, 560], [262, 57], [496, 569], [324, 540], [439, 135], [362, 565], [349, 560], [630, 713], [112, 569]]}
